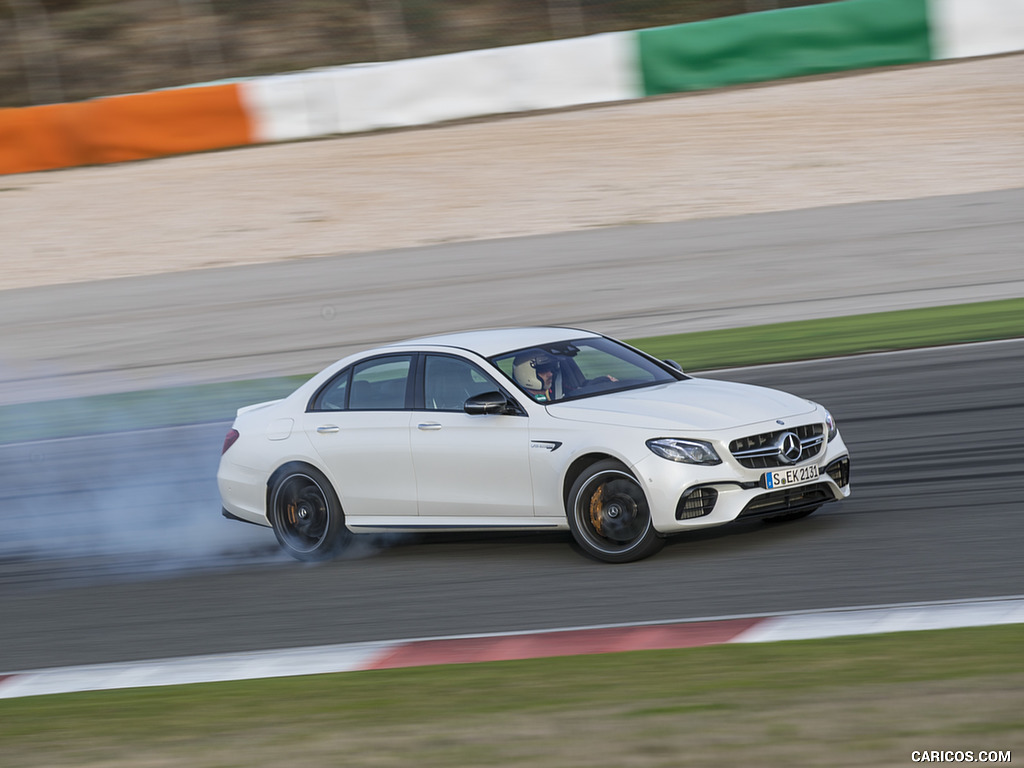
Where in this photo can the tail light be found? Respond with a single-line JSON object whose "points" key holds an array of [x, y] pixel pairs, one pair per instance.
{"points": [[229, 440]]}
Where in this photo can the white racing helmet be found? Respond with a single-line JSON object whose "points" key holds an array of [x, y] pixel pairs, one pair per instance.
{"points": [[525, 365]]}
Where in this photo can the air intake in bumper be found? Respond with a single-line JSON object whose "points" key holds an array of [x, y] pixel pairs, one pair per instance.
{"points": [[697, 503], [839, 470], [798, 499]]}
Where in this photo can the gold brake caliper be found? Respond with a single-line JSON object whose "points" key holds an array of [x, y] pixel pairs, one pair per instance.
{"points": [[292, 508], [596, 505]]}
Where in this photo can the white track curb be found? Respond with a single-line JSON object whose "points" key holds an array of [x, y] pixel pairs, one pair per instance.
{"points": [[894, 618]]}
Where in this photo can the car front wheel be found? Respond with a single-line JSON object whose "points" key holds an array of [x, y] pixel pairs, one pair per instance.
{"points": [[609, 515], [306, 515]]}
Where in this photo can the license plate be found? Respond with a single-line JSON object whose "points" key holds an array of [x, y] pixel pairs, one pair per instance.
{"points": [[780, 478]]}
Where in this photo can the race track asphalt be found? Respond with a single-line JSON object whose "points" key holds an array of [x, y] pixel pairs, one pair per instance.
{"points": [[152, 571], [630, 282]]}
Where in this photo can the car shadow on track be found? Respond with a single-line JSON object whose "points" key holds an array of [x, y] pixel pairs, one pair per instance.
{"points": [[734, 538]]}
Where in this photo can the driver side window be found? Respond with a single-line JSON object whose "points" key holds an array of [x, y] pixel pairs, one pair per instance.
{"points": [[449, 381]]}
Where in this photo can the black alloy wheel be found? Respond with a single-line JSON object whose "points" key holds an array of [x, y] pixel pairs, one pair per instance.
{"points": [[609, 515], [306, 515]]}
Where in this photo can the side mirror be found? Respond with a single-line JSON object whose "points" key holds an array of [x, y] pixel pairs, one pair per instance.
{"points": [[488, 402], [673, 364]]}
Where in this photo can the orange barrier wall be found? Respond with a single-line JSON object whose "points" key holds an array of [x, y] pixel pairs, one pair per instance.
{"points": [[120, 128], [35, 138]]}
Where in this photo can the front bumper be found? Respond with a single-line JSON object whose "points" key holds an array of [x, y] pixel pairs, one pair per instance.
{"points": [[685, 497]]}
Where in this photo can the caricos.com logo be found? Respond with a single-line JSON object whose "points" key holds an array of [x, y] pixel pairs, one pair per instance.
{"points": [[960, 756]]}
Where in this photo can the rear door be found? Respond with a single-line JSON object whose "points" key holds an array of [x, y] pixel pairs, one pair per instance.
{"points": [[359, 425]]}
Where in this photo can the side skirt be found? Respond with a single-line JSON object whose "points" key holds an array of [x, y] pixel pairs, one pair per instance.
{"points": [[375, 523]]}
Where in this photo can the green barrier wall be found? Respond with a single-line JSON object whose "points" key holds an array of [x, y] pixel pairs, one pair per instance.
{"points": [[784, 43]]}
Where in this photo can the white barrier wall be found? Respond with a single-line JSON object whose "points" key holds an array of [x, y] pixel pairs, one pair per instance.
{"points": [[363, 97], [561, 73], [963, 28]]}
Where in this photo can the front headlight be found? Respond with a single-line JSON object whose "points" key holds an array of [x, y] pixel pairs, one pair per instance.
{"points": [[684, 451], [830, 424]]}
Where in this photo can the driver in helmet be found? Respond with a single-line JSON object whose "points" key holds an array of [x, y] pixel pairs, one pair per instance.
{"points": [[535, 372]]}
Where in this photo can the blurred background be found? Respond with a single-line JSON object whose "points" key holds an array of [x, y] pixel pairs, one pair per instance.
{"points": [[67, 50]]}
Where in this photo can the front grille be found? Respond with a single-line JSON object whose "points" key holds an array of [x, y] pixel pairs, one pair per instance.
{"points": [[839, 470], [788, 500], [697, 503], [761, 451]]}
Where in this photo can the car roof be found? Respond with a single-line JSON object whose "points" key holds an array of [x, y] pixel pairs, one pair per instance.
{"points": [[494, 341]]}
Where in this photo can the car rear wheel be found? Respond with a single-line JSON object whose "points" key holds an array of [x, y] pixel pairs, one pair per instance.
{"points": [[306, 515], [609, 515]]}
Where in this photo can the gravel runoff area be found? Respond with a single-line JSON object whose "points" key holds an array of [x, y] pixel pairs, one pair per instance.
{"points": [[938, 129]]}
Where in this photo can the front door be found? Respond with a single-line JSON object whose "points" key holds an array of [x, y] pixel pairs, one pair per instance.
{"points": [[468, 465]]}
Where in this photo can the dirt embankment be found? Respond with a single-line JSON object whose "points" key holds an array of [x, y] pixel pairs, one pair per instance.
{"points": [[884, 135]]}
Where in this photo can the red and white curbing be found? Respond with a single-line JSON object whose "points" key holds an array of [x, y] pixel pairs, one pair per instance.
{"points": [[352, 657]]}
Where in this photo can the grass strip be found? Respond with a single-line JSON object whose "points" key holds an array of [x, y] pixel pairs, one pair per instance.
{"points": [[834, 336], [704, 350], [143, 409], [866, 700]]}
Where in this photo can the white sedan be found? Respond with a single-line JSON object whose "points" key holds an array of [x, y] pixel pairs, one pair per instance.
{"points": [[524, 429]]}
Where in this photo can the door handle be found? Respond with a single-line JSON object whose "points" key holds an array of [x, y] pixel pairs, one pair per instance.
{"points": [[429, 426], [328, 429]]}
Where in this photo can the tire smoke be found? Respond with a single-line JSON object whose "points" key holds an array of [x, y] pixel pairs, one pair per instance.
{"points": [[137, 501]]}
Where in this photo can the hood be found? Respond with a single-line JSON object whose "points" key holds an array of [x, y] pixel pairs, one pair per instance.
{"points": [[693, 405]]}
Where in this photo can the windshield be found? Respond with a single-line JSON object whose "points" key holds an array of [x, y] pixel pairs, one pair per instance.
{"points": [[580, 368]]}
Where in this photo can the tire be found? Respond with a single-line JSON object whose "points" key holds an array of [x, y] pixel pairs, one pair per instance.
{"points": [[306, 515], [609, 515]]}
